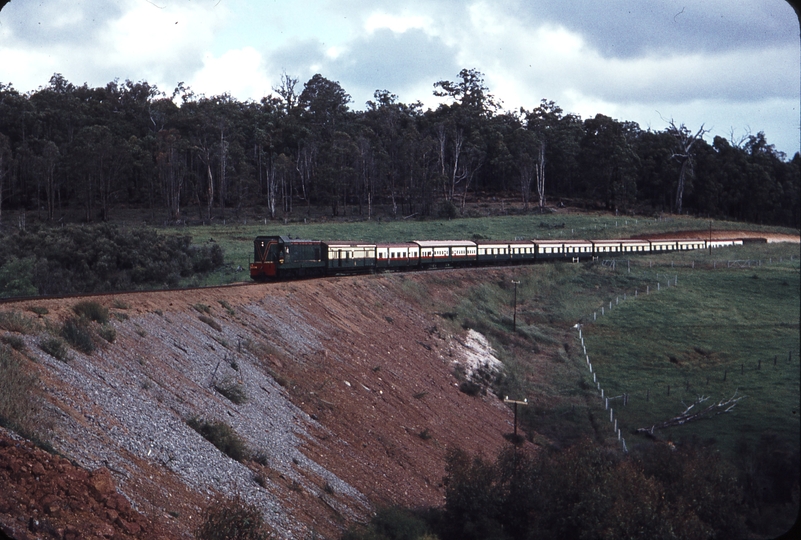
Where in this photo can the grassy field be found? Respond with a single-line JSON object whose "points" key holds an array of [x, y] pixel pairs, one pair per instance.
{"points": [[719, 332], [236, 239]]}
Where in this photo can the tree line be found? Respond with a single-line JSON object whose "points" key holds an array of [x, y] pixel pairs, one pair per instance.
{"points": [[589, 491], [93, 151]]}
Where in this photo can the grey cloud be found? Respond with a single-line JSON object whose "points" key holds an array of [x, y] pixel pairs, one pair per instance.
{"points": [[630, 28], [35, 23], [386, 60], [382, 60]]}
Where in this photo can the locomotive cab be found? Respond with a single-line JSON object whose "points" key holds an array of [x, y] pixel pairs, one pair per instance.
{"points": [[267, 255]]}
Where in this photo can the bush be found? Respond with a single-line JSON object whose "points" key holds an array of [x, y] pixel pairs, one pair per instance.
{"points": [[211, 322], [92, 311], [15, 278], [94, 258], [15, 342], [391, 523], [222, 436], [233, 519], [54, 347], [232, 390], [18, 399], [14, 321], [77, 334], [108, 333]]}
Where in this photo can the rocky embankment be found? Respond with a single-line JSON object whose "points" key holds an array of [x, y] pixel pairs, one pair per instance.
{"points": [[341, 390]]}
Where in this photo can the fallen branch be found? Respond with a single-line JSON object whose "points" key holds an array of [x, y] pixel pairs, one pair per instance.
{"points": [[721, 407]]}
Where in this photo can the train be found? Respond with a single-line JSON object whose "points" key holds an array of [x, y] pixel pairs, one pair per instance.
{"points": [[282, 257]]}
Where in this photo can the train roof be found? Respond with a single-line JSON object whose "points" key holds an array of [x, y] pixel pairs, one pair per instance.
{"points": [[396, 244], [439, 243], [348, 243]]}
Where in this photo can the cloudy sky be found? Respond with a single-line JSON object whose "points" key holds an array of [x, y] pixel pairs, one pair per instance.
{"points": [[734, 65]]}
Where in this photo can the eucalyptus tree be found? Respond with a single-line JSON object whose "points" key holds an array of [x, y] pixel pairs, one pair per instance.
{"points": [[683, 153], [327, 143], [608, 161], [461, 148]]}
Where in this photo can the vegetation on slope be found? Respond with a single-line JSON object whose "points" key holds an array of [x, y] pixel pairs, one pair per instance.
{"points": [[83, 259]]}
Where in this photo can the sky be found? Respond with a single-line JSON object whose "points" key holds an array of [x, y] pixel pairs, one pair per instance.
{"points": [[732, 65]]}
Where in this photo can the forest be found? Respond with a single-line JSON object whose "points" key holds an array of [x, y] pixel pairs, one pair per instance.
{"points": [[72, 152]]}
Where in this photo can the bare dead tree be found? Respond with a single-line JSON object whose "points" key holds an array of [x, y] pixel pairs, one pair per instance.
{"points": [[691, 414], [541, 174], [684, 156]]}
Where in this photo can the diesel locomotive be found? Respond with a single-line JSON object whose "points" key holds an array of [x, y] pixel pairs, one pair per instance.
{"points": [[279, 257]]}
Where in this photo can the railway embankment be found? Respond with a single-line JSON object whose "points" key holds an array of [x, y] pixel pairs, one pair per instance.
{"points": [[335, 395]]}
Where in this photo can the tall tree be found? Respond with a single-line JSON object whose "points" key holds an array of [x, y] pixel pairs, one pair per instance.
{"points": [[685, 141]]}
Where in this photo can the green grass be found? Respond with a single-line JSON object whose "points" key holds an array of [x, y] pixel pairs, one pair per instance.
{"points": [[707, 337]]}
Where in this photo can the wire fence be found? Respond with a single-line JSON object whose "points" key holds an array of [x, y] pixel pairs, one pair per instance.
{"points": [[667, 281]]}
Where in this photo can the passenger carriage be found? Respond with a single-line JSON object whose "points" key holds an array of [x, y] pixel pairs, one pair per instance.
{"points": [[435, 253], [348, 257], [493, 252], [686, 245], [635, 246], [399, 255], [602, 248], [724, 242], [658, 246]]}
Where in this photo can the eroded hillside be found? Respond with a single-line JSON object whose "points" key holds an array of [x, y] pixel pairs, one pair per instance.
{"points": [[342, 389]]}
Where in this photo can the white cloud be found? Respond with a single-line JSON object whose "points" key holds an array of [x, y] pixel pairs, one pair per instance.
{"points": [[241, 73], [397, 23]]}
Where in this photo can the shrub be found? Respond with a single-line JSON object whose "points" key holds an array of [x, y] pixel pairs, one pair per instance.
{"points": [[15, 342], [391, 523], [222, 436], [39, 310], [14, 321], [54, 347], [232, 390], [91, 310], [233, 519], [77, 334], [108, 333], [18, 399], [15, 278], [211, 322], [90, 258]]}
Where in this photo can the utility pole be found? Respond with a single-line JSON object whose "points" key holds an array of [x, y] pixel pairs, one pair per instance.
{"points": [[516, 402], [514, 316]]}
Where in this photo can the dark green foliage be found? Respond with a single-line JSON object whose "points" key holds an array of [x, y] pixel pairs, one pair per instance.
{"points": [[15, 278], [77, 334], [102, 258], [586, 491], [92, 311], [421, 162], [392, 523], [54, 347], [222, 436], [233, 519]]}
